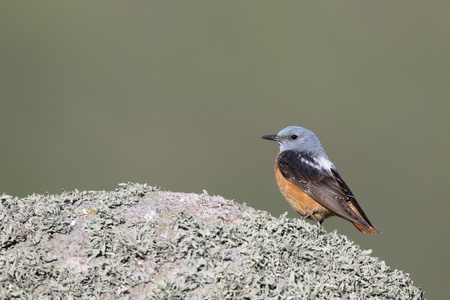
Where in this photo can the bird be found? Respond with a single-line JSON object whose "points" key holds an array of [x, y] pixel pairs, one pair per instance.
{"points": [[311, 183]]}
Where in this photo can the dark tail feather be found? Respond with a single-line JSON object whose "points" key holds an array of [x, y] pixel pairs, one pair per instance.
{"points": [[365, 226], [366, 229]]}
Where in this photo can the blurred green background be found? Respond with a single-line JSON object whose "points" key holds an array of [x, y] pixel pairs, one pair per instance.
{"points": [[177, 94]]}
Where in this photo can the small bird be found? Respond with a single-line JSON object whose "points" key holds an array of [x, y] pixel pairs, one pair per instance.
{"points": [[310, 182]]}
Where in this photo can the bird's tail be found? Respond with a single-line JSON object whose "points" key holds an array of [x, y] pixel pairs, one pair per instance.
{"points": [[366, 229], [365, 225]]}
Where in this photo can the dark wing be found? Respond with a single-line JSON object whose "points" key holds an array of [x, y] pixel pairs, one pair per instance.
{"points": [[325, 186]]}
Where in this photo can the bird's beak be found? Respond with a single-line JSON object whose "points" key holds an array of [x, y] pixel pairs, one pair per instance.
{"points": [[272, 137]]}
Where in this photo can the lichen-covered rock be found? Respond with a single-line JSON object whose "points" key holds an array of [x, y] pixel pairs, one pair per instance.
{"points": [[141, 243]]}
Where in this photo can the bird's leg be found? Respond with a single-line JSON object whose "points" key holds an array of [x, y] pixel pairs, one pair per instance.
{"points": [[304, 217], [310, 215]]}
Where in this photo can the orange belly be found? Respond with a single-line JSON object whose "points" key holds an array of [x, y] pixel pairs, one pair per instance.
{"points": [[300, 201]]}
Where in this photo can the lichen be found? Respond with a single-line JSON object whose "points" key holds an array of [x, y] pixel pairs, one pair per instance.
{"points": [[138, 242]]}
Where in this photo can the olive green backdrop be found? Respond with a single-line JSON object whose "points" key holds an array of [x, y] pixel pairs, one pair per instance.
{"points": [[177, 94]]}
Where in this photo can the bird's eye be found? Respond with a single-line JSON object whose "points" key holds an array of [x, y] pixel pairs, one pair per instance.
{"points": [[294, 137]]}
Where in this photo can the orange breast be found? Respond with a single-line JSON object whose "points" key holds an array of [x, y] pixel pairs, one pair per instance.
{"points": [[299, 200]]}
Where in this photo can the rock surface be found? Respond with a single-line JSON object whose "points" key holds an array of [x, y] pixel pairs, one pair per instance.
{"points": [[138, 242]]}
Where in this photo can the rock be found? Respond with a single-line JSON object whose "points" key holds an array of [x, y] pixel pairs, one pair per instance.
{"points": [[138, 242]]}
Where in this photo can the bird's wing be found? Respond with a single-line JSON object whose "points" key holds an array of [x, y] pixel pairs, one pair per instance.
{"points": [[324, 185]]}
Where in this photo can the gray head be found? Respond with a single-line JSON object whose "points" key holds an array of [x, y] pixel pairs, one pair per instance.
{"points": [[299, 139]]}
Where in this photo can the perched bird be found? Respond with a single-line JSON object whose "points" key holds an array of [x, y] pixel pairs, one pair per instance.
{"points": [[310, 182]]}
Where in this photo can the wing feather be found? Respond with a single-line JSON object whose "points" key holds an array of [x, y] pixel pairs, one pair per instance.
{"points": [[325, 186]]}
